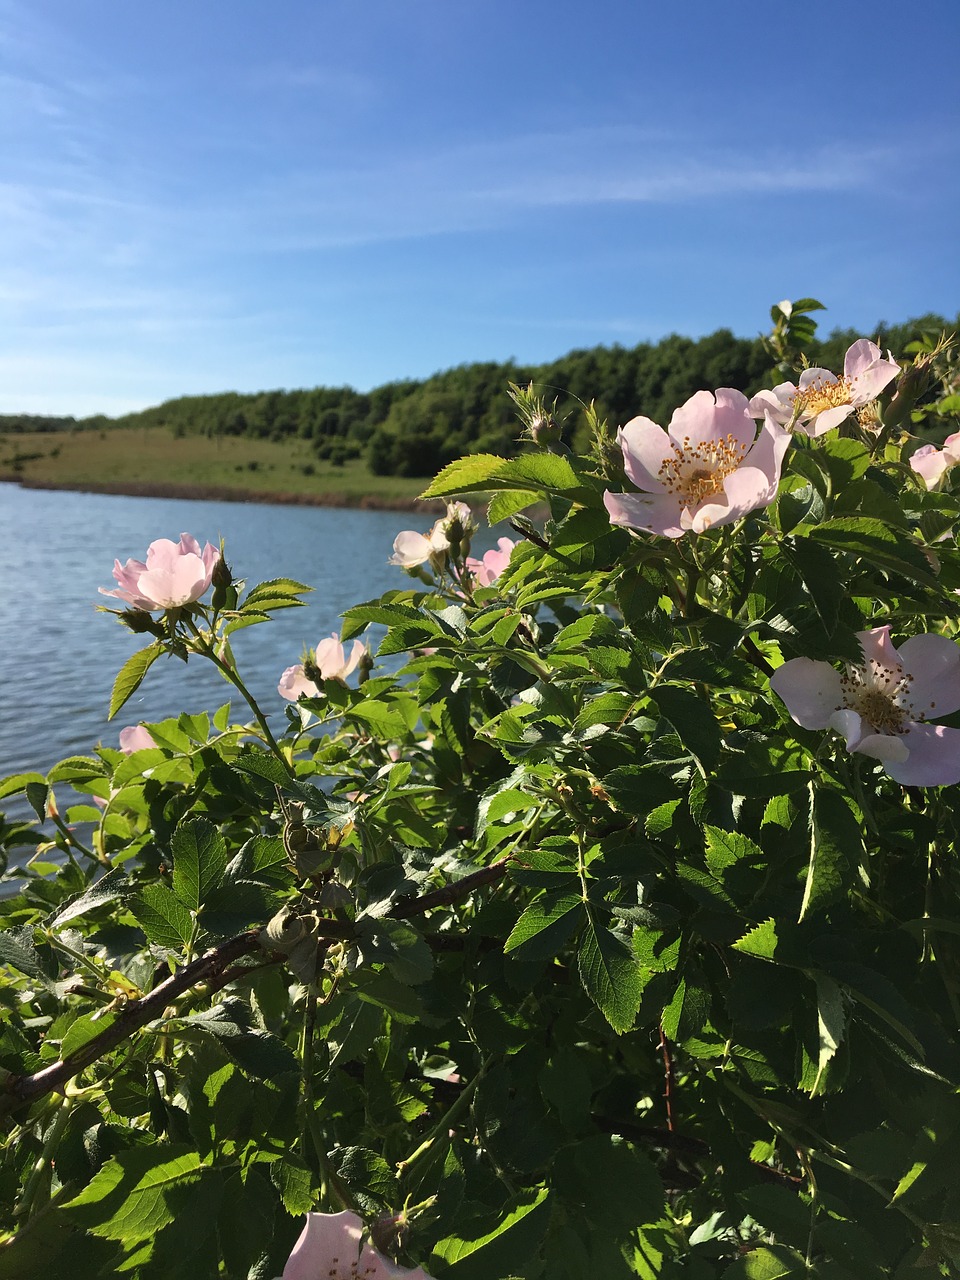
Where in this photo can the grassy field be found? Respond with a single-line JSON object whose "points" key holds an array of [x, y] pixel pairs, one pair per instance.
{"points": [[140, 458]]}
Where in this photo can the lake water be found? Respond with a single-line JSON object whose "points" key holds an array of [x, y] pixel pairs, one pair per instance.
{"points": [[58, 656]]}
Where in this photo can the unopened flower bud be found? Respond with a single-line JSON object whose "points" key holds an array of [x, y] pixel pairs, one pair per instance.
{"points": [[140, 622], [544, 429]]}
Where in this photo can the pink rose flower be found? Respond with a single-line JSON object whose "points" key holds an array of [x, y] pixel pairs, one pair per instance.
{"points": [[175, 574], [135, 738], [821, 400], [489, 569], [331, 1247], [709, 467], [331, 661], [932, 464], [882, 708]]}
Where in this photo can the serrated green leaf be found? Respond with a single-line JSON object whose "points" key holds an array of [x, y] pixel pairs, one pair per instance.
{"points": [[835, 844], [82, 1030], [138, 1192], [130, 676], [467, 475], [508, 502], [693, 719], [108, 888], [199, 861], [831, 1024], [17, 782], [760, 942], [611, 975], [769, 1262], [163, 917], [546, 924]]}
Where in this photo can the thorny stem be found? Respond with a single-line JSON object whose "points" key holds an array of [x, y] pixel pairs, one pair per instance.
{"points": [[233, 676]]}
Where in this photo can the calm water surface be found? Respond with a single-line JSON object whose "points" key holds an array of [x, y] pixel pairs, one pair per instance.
{"points": [[58, 656]]}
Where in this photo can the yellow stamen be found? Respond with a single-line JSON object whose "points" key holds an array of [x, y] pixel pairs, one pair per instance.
{"points": [[821, 395], [696, 471]]}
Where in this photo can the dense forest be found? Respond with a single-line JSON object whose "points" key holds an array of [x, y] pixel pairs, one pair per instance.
{"points": [[412, 428]]}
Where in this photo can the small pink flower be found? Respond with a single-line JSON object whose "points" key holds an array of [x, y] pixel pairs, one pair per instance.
{"points": [[411, 549], [331, 1247], [489, 569], [882, 708], [821, 400], [932, 464], [175, 574], [710, 467], [330, 660], [135, 738]]}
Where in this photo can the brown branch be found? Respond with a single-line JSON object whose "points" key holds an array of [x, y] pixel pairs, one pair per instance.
{"points": [[667, 1078], [213, 967], [451, 892], [135, 1014]]}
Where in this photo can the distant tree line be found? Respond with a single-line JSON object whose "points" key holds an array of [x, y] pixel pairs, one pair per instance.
{"points": [[412, 428]]}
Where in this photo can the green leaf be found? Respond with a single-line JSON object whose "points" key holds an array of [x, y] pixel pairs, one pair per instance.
{"points": [[547, 471], [612, 977], [693, 720], [19, 782], [139, 1192], [82, 1030], [831, 1024], [821, 577], [107, 889], [545, 925], [835, 844], [295, 1183], [502, 1250], [509, 501], [760, 942], [878, 544], [466, 475], [199, 861], [609, 1183], [278, 593], [130, 676], [687, 1011], [769, 1262], [163, 917]]}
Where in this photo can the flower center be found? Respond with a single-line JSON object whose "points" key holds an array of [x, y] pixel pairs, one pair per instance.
{"points": [[820, 395], [696, 471], [881, 695], [868, 415]]}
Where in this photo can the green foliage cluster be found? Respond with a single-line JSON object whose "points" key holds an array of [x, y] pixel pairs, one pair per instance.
{"points": [[561, 952], [412, 428]]}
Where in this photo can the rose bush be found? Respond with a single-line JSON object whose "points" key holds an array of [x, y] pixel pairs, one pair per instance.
{"points": [[604, 926]]}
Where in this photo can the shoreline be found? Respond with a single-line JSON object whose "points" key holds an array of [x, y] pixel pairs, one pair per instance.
{"points": [[226, 493]]}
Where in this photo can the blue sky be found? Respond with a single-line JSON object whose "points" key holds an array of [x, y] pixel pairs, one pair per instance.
{"points": [[234, 195]]}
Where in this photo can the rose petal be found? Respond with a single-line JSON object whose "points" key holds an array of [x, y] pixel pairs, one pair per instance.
{"points": [[653, 512], [811, 691], [706, 418], [933, 758], [934, 666], [645, 448]]}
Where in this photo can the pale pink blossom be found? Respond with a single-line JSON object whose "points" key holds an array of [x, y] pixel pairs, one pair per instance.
{"points": [[175, 574], [411, 549], [487, 570], [932, 464], [331, 1247], [883, 707], [821, 400], [135, 738], [331, 661], [709, 467]]}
